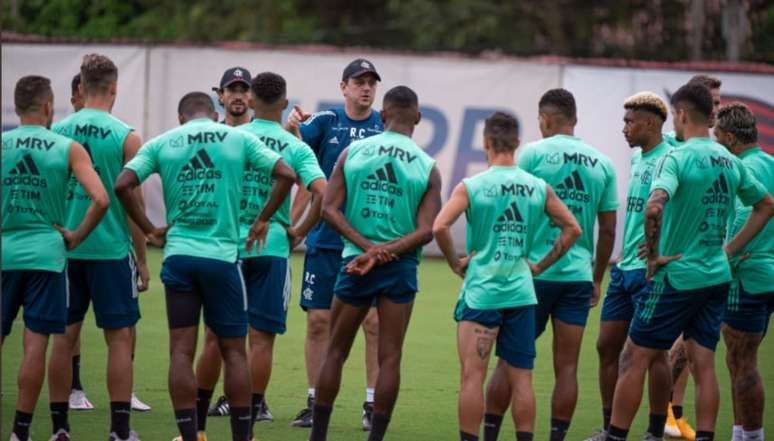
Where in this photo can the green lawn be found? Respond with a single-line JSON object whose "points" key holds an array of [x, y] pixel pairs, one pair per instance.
{"points": [[426, 408]]}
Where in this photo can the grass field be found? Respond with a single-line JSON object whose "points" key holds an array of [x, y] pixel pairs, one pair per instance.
{"points": [[426, 408]]}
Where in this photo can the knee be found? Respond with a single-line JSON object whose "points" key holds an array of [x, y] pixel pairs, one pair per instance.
{"points": [[371, 325], [317, 327], [122, 336], [608, 352]]}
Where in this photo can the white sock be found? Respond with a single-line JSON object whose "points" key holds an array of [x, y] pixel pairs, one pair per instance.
{"points": [[369, 394], [737, 433], [310, 391], [753, 435]]}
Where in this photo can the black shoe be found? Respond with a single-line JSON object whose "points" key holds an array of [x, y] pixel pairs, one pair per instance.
{"points": [[368, 414], [220, 408], [304, 417], [263, 413]]}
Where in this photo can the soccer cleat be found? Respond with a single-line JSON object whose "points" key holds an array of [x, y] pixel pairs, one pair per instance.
{"points": [[686, 431], [670, 428], [598, 435], [263, 413], [60, 435], [220, 408], [649, 437], [78, 400], [304, 417], [138, 405], [200, 436], [368, 414], [132, 437]]}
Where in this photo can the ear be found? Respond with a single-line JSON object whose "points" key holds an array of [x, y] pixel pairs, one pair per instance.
{"points": [[81, 89], [251, 102], [114, 89], [214, 116], [383, 116], [284, 104], [181, 119], [343, 85], [419, 117]]}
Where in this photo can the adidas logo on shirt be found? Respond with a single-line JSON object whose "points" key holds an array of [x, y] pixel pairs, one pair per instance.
{"points": [[572, 188], [717, 193], [199, 167], [510, 221], [383, 179], [333, 140], [25, 173]]}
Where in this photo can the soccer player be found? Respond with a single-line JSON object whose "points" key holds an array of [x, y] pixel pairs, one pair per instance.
{"points": [[103, 270], [267, 273], [37, 165], [644, 118], [390, 191], [201, 163], [751, 296], [502, 205], [233, 95], [328, 133], [691, 197], [677, 425], [584, 179]]}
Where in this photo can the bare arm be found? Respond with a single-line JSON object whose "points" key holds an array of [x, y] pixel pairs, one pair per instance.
{"points": [[335, 196], [298, 207], [81, 166], [132, 144], [300, 230], [456, 205], [125, 188], [605, 243], [571, 231], [762, 211], [284, 177], [654, 212]]}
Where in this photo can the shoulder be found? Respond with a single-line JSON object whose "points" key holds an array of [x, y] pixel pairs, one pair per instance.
{"points": [[119, 123]]}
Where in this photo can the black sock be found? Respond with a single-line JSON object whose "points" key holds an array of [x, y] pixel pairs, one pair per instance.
{"points": [[524, 436], [59, 416], [256, 405], [21, 425], [558, 429], [705, 436], [678, 411], [656, 425], [203, 398], [241, 424], [606, 415], [492, 424], [186, 423], [77, 373], [119, 418], [616, 434], [321, 416], [379, 425], [465, 436]]}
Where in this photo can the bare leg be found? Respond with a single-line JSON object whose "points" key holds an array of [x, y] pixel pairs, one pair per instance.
{"points": [[32, 370], [702, 363], [498, 392], [474, 346], [371, 332], [635, 361], [567, 343], [317, 333], [119, 366], [612, 337], [746, 382], [209, 362], [523, 399], [182, 382], [261, 351]]}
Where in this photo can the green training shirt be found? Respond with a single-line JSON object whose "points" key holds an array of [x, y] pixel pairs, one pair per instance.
{"points": [[702, 180], [505, 204], [757, 271], [202, 165], [257, 185], [36, 170], [584, 179], [642, 170], [386, 177], [103, 136]]}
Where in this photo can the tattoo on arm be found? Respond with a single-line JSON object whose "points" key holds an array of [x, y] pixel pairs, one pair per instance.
{"points": [[653, 214]]}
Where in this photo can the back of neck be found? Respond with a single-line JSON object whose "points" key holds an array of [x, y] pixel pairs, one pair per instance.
{"points": [[738, 150]]}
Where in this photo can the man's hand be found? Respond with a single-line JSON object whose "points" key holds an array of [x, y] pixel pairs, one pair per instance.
{"points": [[143, 277], [158, 236], [376, 255], [295, 118], [72, 238], [656, 262], [461, 266], [595, 294], [294, 239], [257, 235], [534, 268]]}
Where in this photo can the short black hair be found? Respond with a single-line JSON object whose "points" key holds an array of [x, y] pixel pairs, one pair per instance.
{"points": [[502, 129], [268, 87], [696, 99], [75, 83], [195, 102], [559, 101], [31, 92], [401, 97], [738, 119]]}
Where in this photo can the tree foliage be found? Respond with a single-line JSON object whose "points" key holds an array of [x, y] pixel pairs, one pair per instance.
{"points": [[643, 29]]}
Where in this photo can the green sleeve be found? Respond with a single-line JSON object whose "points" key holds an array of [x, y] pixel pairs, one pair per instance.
{"points": [[260, 156], [750, 191], [145, 162], [609, 201], [667, 175], [305, 165]]}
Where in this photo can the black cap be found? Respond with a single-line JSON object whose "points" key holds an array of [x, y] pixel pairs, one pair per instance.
{"points": [[234, 75], [359, 67]]}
